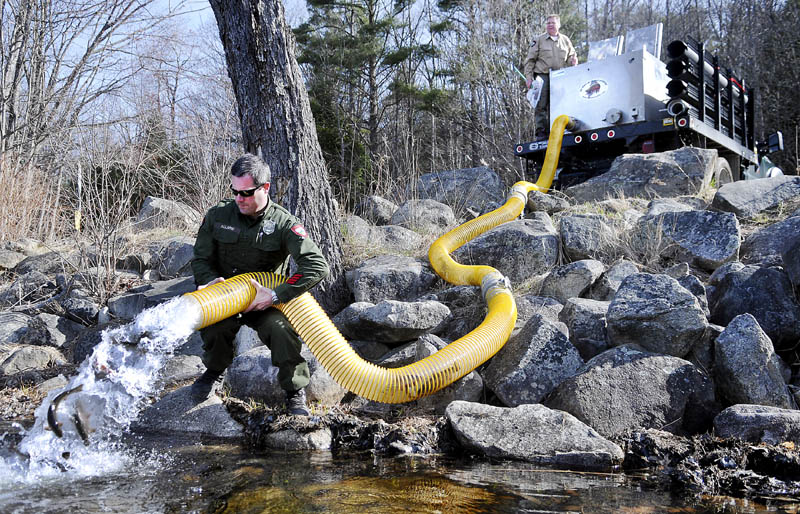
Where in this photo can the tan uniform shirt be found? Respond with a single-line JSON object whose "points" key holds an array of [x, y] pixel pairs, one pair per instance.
{"points": [[546, 54]]}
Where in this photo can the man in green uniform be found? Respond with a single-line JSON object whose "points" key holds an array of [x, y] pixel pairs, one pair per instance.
{"points": [[252, 233], [549, 51]]}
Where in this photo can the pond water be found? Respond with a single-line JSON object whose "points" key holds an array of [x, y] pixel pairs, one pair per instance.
{"points": [[186, 475]]}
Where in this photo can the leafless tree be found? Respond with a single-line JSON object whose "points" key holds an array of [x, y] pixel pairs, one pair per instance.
{"points": [[277, 123]]}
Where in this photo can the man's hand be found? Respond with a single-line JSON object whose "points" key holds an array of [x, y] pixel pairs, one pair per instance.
{"points": [[574, 60], [263, 299], [528, 83], [215, 281]]}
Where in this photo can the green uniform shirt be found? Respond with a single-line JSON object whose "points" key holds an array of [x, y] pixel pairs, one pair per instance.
{"points": [[544, 54], [230, 243]]}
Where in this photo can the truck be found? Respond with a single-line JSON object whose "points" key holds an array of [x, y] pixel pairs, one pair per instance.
{"points": [[633, 102]]}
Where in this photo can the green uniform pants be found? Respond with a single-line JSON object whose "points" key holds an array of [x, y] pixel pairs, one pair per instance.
{"points": [[541, 115], [274, 331]]}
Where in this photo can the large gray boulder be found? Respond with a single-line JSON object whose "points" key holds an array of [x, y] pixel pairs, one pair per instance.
{"points": [[685, 171], [294, 440], [765, 293], [390, 277], [178, 412], [137, 262], [661, 205], [49, 263], [9, 259], [746, 198], [747, 369], [31, 287], [759, 424], [531, 364], [396, 238], [550, 202], [605, 287], [424, 216], [79, 305], [531, 433], [163, 213], [180, 368], [571, 280], [468, 388], [129, 304], [656, 312], [791, 260], [466, 306], [50, 330], [586, 236], [626, 388], [586, 322], [361, 233], [529, 305], [13, 326], [765, 246], [471, 189], [84, 343], [173, 257], [705, 239], [390, 321], [356, 230], [252, 376], [376, 209], [31, 358], [518, 249]]}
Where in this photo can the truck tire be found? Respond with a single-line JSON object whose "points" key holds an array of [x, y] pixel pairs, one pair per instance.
{"points": [[722, 172]]}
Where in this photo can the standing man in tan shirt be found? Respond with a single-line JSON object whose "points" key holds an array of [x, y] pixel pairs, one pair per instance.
{"points": [[549, 51]]}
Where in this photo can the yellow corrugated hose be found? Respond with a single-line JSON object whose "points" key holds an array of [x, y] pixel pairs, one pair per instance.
{"points": [[424, 377]]}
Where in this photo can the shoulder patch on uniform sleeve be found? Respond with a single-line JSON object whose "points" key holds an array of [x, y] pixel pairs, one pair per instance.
{"points": [[534, 43], [300, 230]]}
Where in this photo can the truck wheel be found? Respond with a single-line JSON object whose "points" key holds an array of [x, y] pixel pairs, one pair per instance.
{"points": [[722, 172]]}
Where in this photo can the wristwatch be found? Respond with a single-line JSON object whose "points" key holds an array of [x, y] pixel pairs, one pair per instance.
{"points": [[274, 297]]}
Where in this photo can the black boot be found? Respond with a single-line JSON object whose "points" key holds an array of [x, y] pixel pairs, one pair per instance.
{"points": [[204, 385], [296, 402]]}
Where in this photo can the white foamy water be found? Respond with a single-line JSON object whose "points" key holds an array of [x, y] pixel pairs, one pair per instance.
{"points": [[112, 386]]}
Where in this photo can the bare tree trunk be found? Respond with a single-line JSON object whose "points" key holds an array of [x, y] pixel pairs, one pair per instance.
{"points": [[277, 123]]}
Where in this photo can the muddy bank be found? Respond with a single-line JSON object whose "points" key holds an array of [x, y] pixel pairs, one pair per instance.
{"points": [[707, 465]]}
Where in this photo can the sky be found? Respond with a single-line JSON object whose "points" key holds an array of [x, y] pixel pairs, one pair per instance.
{"points": [[199, 12]]}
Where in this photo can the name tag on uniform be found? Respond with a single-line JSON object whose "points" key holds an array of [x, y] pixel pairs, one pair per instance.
{"points": [[227, 228]]}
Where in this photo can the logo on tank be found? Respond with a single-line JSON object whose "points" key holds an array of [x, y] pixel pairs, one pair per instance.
{"points": [[594, 88]]}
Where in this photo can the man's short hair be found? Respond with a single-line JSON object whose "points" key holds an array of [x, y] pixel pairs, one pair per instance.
{"points": [[249, 164], [555, 17]]}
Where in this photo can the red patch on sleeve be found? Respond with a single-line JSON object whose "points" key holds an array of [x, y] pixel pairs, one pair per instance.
{"points": [[294, 278], [300, 230]]}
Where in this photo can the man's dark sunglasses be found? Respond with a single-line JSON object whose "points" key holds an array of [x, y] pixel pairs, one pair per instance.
{"points": [[246, 193]]}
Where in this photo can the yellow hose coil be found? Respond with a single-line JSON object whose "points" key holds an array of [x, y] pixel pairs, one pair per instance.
{"points": [[424, 377]]}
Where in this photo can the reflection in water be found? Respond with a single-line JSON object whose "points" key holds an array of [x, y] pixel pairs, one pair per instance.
{"points": [[412, 493], [168, 475]]}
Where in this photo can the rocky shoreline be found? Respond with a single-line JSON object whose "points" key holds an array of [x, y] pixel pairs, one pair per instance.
{"points": [[697, 466], [656, 330]]}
